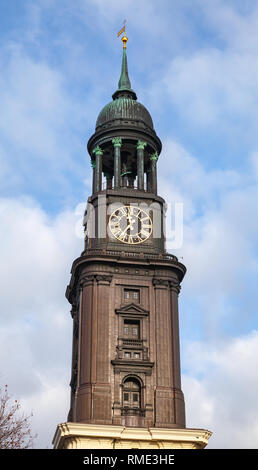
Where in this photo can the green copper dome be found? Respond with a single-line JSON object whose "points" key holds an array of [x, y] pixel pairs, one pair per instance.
{"points": [[124, 109]]}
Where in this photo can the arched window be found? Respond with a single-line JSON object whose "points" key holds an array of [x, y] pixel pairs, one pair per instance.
{"points": [[131, 395]]}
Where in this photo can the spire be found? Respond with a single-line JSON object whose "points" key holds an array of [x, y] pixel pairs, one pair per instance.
{"points": [[124, 81], [124, 84]]}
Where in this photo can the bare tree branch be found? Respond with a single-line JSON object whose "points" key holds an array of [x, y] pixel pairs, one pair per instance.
{"points": [[15, 430]]}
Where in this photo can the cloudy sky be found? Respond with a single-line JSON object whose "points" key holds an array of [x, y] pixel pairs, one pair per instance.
{"points": [[194, 65]]}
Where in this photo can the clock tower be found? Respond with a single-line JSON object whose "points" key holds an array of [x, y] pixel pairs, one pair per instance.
{"points": [[125, 378]]}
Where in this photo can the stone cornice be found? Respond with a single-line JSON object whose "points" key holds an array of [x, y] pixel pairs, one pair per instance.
{"points": [[137, 367], [104, 135], [86, 435], [90, 257]]}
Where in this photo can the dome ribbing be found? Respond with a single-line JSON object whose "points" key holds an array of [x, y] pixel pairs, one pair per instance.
{"points": [[124, 109]]}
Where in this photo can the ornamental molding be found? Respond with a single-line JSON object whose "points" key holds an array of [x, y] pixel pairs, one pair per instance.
{"points": [[117, 141], [97, 150], [154, 157], [175, 286], [160, 283], [100, 278], [70, 434], [103, 279], [141, 144], [132, 309], [129, 367], [86, 281]]}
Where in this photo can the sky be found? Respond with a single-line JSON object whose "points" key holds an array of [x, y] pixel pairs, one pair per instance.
{"points": [[194, 65]]}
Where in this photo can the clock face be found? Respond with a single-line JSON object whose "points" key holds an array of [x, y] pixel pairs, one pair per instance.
{"points": [[130, 225]]}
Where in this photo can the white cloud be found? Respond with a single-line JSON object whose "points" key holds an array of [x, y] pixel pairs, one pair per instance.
{"points": [[211, 82], [182, 174], [37, 125], [35, 334], [254, 164], [214, 87], [49, 405], [115, 11], [219, 238], [220, 252], [221, 390], [234, 22], [35, 251], [34, 102]]}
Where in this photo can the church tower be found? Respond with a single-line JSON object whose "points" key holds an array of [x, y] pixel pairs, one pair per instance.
{"points": [[125, 379]]}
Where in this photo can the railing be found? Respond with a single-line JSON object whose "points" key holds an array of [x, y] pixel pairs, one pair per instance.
{"points": [[129, 254], [132, 411], [132, 342], [133, 187]]}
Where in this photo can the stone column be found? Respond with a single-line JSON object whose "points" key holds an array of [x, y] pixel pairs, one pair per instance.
{"points": [[140, 164], [98, 170], [83, 395], [117, 142], [75, 352], [179, 405], [93, 165], [103, 361], [149, 180], [153, 159], [164, 409], [163, 337], [101, 405]]}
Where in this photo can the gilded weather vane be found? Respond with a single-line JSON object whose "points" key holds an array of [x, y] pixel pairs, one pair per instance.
{"points": [[124, 38]]}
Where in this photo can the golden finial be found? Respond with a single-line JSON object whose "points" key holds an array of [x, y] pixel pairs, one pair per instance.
{"points": [[124, 38]]}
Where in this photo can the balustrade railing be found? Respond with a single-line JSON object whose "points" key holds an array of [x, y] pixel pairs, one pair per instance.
{"points": [[133, 187], [132, 411], [137, 343], [129, 254]]}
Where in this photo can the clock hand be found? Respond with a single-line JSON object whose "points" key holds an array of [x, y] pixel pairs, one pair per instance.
{"points": [[131, 220], [128, 226]]}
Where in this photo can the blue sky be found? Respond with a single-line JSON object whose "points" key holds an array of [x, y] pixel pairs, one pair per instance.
{"points": [[194, 65]]}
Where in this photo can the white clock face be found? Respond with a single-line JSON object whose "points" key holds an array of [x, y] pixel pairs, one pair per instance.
{"points": [[130, 225]]}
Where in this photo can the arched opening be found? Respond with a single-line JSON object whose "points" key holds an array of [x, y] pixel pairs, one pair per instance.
{"points": [[131, 396]]}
